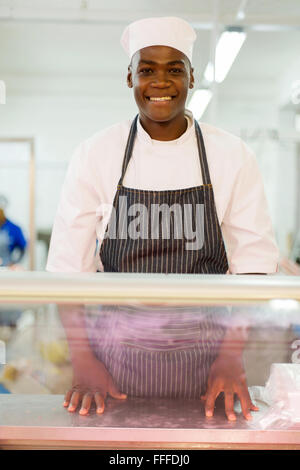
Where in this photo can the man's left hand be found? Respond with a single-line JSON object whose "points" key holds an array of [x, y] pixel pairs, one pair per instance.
{"points": [[227, 375]]}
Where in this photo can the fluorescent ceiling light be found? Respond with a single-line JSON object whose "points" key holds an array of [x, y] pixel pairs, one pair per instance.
{"points": [[241, 15], [199, 102], [227, 49]]}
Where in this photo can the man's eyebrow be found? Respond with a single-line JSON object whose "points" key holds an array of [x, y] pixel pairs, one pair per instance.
{"points": [[173, 62], [152, 62]]}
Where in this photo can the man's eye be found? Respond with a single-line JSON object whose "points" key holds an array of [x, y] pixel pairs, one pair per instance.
{"points": [[147, 70], [175, 70]]}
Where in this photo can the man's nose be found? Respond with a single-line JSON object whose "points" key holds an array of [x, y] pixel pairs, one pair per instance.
{"points": [[161, 80]]}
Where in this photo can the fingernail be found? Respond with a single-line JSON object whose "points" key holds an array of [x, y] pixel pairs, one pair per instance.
{"points": [[71, 408], [248, 416], [83, 411], [231, 417], [66, 403], [209, 413], [100, 410]]}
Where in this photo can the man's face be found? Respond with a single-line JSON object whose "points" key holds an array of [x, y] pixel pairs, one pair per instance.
{"points": [[160, 77]]}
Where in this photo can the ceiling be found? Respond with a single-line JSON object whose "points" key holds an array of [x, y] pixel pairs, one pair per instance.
{"points": [[59, 39], [263, 11]]}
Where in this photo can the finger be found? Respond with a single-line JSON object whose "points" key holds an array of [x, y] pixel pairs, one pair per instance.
{"points": [[252, 407], [208, 388], [229, 402], [74, 401], [86, 404], [115, 393], [68, 397], [245, 401], [210, 401], [99, 399]]}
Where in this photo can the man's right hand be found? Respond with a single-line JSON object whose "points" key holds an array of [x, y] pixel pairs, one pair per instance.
{"points": [[91, 384]]}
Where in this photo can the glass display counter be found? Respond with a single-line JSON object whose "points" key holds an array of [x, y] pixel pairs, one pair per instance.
{"points": [[149, 361]]}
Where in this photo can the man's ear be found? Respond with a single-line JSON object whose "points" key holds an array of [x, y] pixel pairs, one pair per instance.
{"points": [[192, 80], [129, 77]]}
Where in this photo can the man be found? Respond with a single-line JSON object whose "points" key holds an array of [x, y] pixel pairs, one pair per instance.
{"points": [[12, 240], [12, 249], [209, 182]]}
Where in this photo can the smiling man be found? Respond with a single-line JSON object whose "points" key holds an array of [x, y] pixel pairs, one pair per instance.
{"points": [[196, 174], [161, 77]]}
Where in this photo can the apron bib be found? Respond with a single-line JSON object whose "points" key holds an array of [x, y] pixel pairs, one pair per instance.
{"points": [[162, 352]]}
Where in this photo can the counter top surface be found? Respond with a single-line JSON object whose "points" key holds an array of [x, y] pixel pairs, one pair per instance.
{"points": [[48, 411], [40, 421]]}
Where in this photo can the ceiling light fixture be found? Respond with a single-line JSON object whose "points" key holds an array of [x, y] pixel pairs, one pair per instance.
{"points": [[227, 49], [241, 15], [199, 102]]}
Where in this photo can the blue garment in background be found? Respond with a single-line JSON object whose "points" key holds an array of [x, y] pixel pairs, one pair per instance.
{"points": [[3, 389], [11, 238]]}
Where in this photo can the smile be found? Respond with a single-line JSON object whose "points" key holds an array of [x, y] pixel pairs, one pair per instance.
{"points": [[162, 98]]}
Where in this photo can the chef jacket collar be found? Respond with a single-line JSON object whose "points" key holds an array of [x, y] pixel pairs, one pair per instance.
{"points": [[145, 138]]}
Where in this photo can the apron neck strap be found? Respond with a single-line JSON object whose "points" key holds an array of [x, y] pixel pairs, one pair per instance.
{"points": [[201, 150], [129, 147], [202, 154]]}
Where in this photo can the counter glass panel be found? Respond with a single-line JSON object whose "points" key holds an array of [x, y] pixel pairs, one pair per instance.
{"points": [[150, 358]]}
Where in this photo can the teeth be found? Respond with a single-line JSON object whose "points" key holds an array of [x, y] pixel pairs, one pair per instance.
{"points": [[163, 98]]}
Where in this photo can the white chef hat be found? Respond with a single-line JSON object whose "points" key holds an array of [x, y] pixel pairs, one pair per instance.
{"points": [[160, 31]]}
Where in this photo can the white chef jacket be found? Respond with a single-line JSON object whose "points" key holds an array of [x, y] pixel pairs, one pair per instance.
{"points": [[94, 172]]}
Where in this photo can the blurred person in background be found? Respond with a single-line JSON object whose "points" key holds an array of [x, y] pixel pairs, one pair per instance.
{"points": [[12, 249], [12, 241]]}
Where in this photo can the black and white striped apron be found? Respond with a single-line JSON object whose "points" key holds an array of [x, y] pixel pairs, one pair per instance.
{"points": [[161, 351]]}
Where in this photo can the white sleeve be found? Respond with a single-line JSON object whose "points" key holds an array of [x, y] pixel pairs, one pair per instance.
{"points": [[246, 226], [73, 239]]}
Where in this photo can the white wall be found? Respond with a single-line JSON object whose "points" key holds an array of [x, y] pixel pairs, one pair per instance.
{"points": [[58, 124]]}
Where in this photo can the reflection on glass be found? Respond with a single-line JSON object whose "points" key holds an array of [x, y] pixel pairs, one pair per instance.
{"points": [[228, 363]]}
